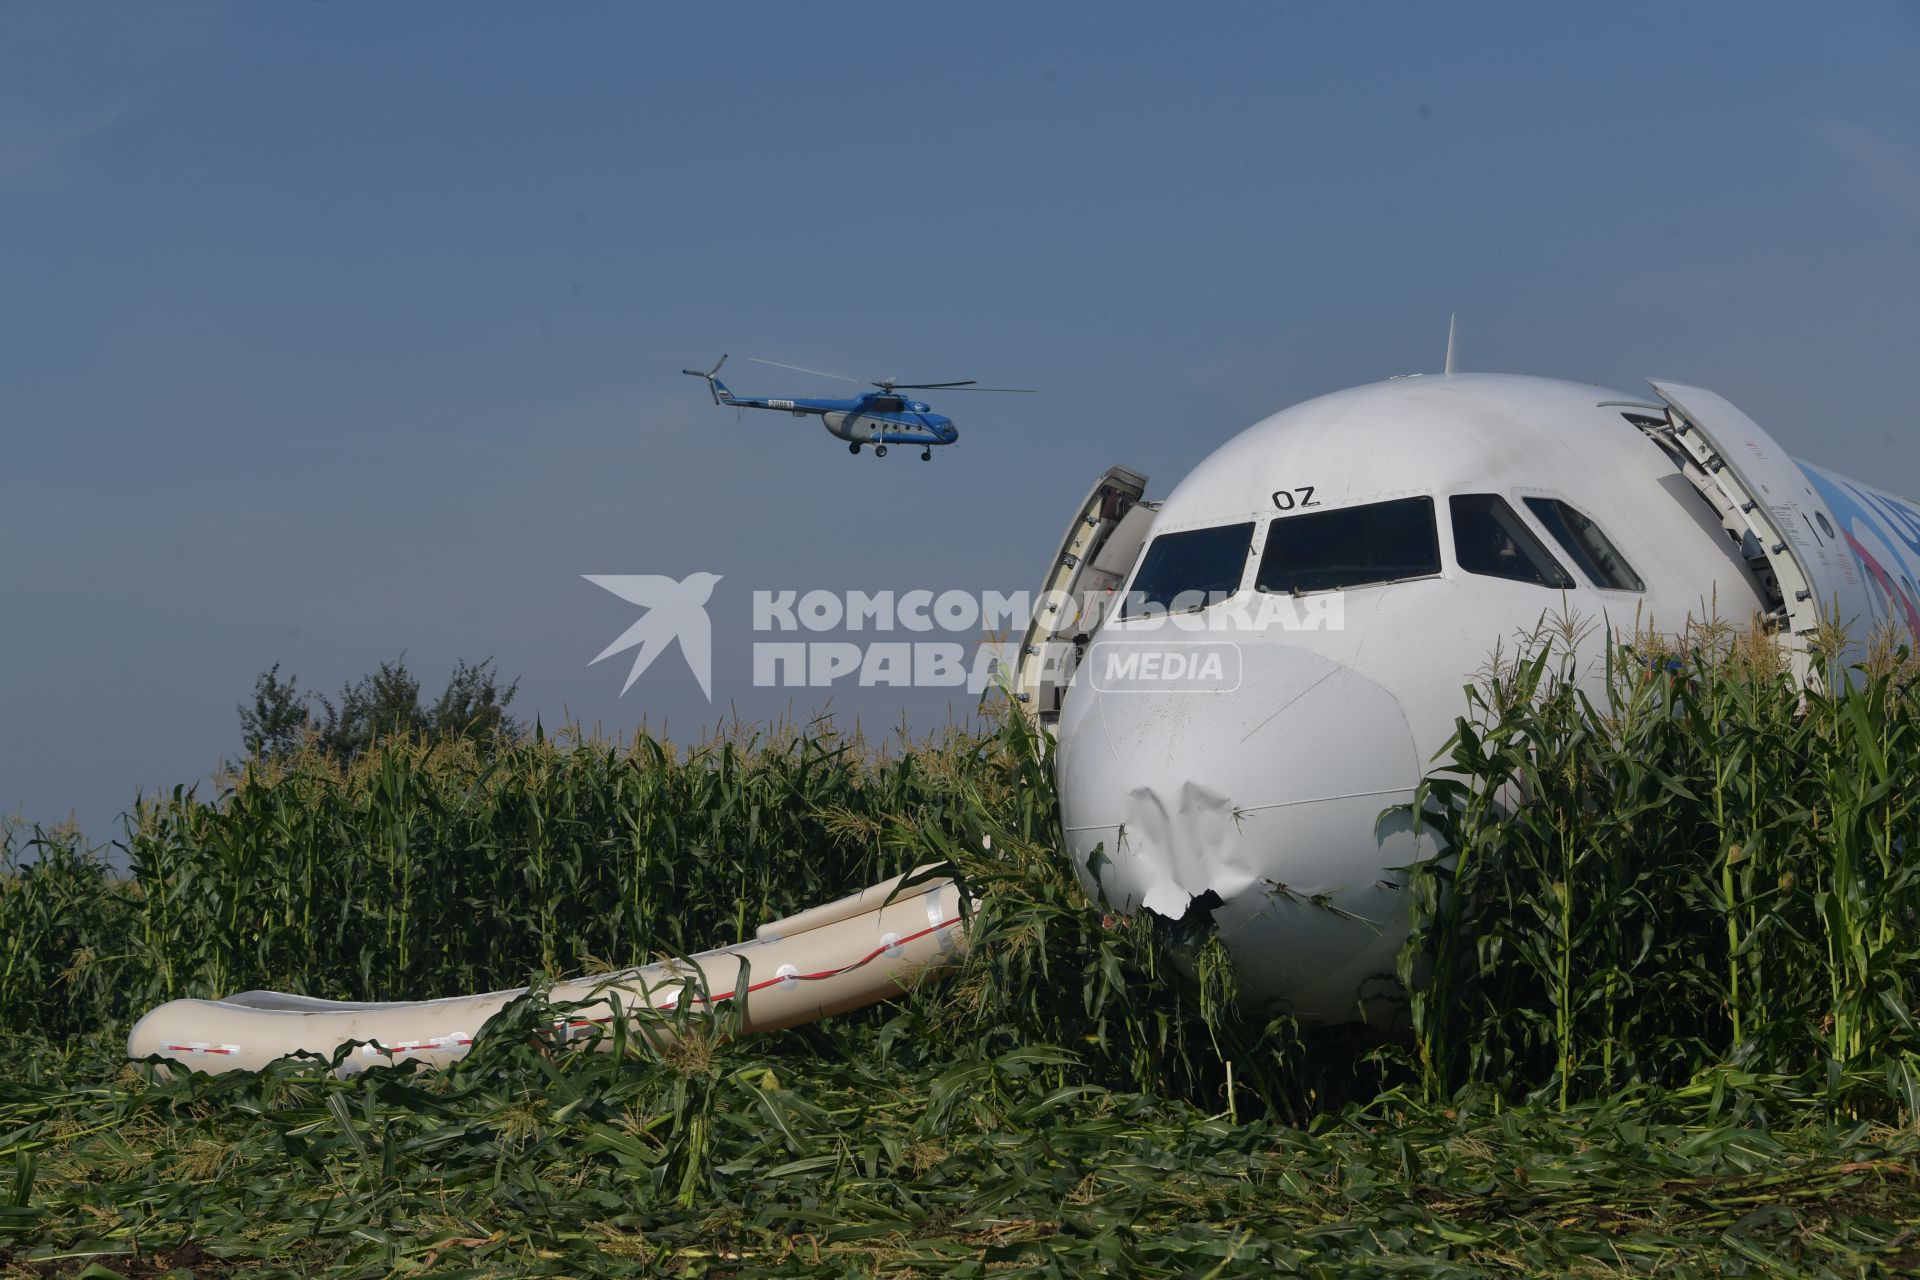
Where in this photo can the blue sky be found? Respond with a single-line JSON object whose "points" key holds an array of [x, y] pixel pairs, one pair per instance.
{"points": [[332, 331]]}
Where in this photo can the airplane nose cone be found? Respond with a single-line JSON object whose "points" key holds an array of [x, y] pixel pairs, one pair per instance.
{"points": [[1263, 788]]}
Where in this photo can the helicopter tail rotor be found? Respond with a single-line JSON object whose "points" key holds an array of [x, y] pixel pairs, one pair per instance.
{"points": [[711, 375]]}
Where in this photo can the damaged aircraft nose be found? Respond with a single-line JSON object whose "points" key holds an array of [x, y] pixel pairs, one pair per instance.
{"points": [[1263, 787]]}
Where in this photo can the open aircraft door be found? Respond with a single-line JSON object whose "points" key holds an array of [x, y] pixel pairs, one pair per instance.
{"points": [[1094, 558], [1817, 576]]}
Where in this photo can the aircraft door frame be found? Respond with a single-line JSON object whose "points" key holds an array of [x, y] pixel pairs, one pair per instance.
{"points": [[1817, 576], [1095, 555]]}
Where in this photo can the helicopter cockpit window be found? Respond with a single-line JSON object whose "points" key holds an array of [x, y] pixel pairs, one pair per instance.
{"points": [[1590, 548], [1189, 570], [1350, 547], [1489, 539]]}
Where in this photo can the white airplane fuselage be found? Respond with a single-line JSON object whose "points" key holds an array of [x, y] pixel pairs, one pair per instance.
{"points": [[1256, 792]]}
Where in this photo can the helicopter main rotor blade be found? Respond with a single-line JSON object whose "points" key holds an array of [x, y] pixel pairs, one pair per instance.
{"points": [[922, 386], [800, 368], [1018, 391]]}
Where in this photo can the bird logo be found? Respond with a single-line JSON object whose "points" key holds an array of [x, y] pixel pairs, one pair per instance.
{"points": [[675, 610]]}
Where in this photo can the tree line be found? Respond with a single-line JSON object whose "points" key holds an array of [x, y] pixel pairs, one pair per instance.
{"points": [[283, 719]]}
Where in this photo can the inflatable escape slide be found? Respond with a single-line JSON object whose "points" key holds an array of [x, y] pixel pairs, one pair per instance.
{"points": [[825, 960]]}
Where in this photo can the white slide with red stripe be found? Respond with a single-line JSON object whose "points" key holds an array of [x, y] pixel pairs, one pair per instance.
{"points": [[829, 959]]}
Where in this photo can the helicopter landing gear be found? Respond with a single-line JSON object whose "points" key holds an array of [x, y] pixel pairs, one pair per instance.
{"points": [[926, 455], [853, 448], [879, 451]]}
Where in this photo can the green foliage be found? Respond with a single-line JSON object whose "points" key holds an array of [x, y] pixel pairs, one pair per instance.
{"points": [[431, 868], [421, 870], [375, 708], [1639, 1050], [65, 927], [383, 705], [1706, 870], [473, 705], [276, 724], [816, 1154]]}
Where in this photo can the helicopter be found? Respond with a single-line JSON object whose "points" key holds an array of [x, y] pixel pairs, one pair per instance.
{"points": [[878, 418]]}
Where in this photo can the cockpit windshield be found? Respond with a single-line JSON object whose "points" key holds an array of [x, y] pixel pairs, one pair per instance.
{"points": [[1590, 548], [1489, 539], [1189, 570], [1350, 547]]}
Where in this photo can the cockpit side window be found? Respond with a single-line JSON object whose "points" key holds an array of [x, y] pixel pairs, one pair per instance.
{"points": [[1189, 570], [1489, 539], [1587, 544], [1350, 547]]}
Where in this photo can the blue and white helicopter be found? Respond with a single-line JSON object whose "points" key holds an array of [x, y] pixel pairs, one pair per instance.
{"points": [[878, 418]]}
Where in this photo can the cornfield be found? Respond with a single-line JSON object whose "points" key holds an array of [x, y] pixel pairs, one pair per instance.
{"points": [[1663, 1022], [1713, 871]]}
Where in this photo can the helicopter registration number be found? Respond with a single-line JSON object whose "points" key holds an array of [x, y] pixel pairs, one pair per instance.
{"points": [[779, 404]]}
